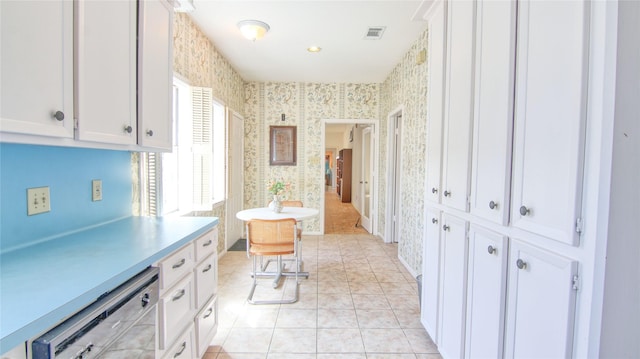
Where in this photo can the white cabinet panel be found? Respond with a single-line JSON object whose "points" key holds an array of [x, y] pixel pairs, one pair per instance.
{"points": [[453, 277], [458, 104], [486, 296], [550, 116], [430, 273], [541, 303], [435, 100], [155, 74], [493, 113], [37, 67], [206, 325], [106, 71]]}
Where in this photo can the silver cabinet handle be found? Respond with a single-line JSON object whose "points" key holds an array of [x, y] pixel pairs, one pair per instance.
{"points": [[208, 313], [524, 211], [180, 294], [446, 193], [493, 205], [433, 220], [150, 133], [491, 249], [445, 227], [521, 264], [434, 190], [182, 348], [58, 115], [128, 129], [179, 264], [207, 269], [207, 244]]}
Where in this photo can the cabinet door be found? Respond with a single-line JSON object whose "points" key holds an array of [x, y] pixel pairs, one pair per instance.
{"points": [[435, 98], [550, 115], [106, 71], [430, 273], [487, 278], [459, 104], [493, 113], [453, 277], [37, 67], [155, 74], [541, 303]]}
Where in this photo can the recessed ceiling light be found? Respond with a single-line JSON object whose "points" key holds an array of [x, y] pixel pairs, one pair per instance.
{"points": [[314, 49]]}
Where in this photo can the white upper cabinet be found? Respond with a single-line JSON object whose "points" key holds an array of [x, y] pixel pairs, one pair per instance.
{"points": [[550, 117], [155, 74], [541, 303], [435, 99], [106, 71], [430, 274], [486, 293], [458, 104], [453, 284], [37, 68], [493, 110]]}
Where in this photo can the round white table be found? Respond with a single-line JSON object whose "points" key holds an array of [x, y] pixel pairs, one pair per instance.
{"points": [[298, 213]]}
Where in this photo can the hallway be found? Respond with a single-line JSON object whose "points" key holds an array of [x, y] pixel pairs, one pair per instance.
{"points": [[340, 218]]}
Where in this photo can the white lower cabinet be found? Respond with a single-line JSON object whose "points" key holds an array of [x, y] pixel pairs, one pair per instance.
{"points": [[206, 326], [184, 347], [541, 303], [430, 274], [453, 286], [486, 293]]}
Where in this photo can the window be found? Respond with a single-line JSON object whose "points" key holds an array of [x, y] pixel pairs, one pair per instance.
{"points": [[193, 176]]}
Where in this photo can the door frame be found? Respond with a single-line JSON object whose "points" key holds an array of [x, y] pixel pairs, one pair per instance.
{"points": [[390, 196], [230, 215], [370, 178], [376, 160]]}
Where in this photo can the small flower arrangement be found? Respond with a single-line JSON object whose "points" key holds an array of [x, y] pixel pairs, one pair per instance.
{"points": [[278, 187]]}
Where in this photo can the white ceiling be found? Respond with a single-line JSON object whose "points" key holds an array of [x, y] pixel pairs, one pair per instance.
{"points": [[338, 27]]}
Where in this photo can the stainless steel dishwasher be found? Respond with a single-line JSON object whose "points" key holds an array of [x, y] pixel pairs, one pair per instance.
{"points": [[121, 323]]}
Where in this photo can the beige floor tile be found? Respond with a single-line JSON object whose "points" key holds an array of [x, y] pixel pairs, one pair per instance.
{"points": [[377, 319], [341, 356], [337, 318], [226, 355], [390, 356], [365, 288], [292, 356], [333, 287], [290, 317], [248, 340], [385, 341], [340, 341], [409, 319], [420, 341], [257, 317], [370, 301], [293, 341], [335, 300]]}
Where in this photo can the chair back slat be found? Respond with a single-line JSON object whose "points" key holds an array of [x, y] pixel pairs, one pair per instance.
{"points": [[281, 231]]}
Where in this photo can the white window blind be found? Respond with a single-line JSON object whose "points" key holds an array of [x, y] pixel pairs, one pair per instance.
{"points": [[202, 146]]}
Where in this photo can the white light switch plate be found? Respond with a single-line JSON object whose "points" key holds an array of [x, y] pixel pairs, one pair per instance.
{"points": [[96, 190], [38, 200]]}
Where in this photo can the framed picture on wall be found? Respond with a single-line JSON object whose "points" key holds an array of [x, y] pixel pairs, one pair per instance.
{"points": [[282, 145]]}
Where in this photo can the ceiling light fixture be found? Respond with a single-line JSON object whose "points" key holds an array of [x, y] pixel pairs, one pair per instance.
{"points": [[314, 49], [253, 29]]}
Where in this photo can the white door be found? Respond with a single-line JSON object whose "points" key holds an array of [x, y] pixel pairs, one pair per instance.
{"points": [[551, 90], [235, 187], [486, 293], [394, 168], [367, 179], [435, 99], [541, 303], [106, 51], [453, 284], [37, 67], [430, 273], [493, 114], [459, 104]]}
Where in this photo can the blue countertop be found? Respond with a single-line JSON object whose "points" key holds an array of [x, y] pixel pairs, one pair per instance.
{"points": [[44, 283]]}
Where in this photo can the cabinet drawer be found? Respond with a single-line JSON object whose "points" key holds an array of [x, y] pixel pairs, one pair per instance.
{"points": [[206, 325], [175, 311], [206, 280], [176, 266], [206, 244], [184, 347]]}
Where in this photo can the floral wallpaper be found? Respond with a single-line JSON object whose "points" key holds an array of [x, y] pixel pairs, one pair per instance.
{"points": [[407, 85], [304, 105]]}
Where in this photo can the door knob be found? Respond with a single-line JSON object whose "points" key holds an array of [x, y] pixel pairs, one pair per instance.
{"points": [[434, 190], [128, 129], [493, 205], [524, 210], [491, 249], [150, 133], [58, 115], [446, 193], [445, 227], [433, 220], [521, 264]]}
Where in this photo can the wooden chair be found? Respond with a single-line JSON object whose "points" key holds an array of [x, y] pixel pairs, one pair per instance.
{"points": [[272, 238], [292, 203]]}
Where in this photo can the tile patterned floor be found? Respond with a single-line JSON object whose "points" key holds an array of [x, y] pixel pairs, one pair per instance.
{"points": [[359, 302]]}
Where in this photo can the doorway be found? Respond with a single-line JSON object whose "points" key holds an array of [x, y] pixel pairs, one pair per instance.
{"points": [[394, 170], [235, 184], [338, 216]]}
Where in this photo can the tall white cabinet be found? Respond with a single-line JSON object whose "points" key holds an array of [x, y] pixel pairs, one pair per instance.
{"points": [[504, 256]]}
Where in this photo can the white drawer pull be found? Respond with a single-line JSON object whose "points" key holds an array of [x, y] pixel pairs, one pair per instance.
{"points": [[179, 264], [179, 295]]}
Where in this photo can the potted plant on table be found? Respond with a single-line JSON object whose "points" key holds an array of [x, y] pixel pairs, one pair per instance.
{"points": [[277, 188]]}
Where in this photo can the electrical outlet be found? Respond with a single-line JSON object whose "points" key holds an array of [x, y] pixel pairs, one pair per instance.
{"points": [[38, 200], [96, 190]]}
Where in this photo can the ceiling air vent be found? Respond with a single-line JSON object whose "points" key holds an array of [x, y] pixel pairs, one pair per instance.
{"points": [[374, 33]]}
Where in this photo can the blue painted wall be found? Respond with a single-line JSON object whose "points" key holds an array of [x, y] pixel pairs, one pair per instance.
{"points": [[68, 172]]}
